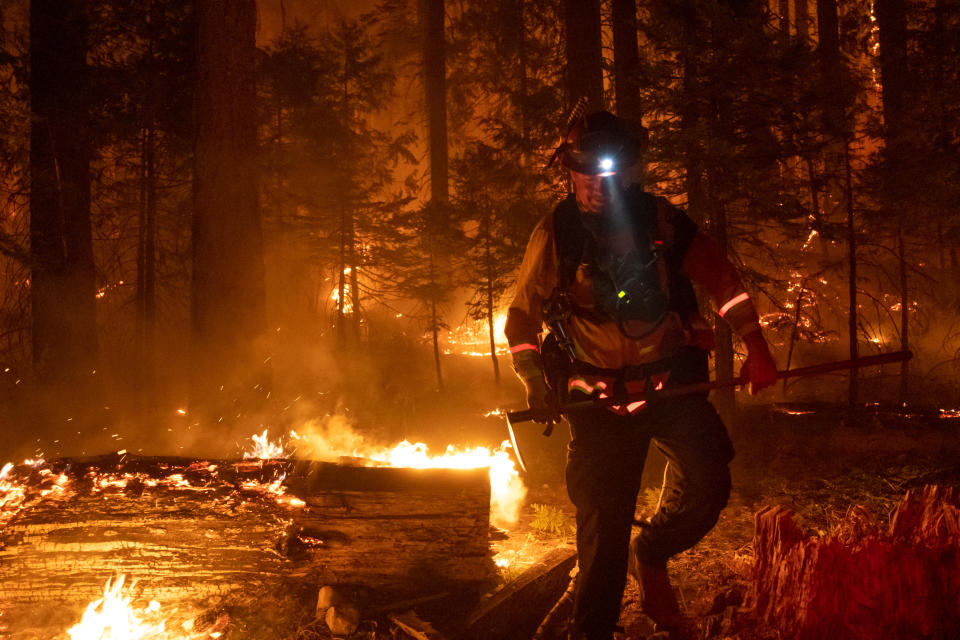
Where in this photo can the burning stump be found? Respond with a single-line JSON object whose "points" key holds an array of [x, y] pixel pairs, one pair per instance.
{"points": [[190, 531], [863, 583]]}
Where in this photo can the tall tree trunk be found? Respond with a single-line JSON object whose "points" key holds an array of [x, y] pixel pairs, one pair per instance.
{"points": [[831, 69], [435, 87], [435, 313], [514, 34], [63, 284], [852, 309], [584, 52], [432, 28], [342, 278], [626, 59], [801, 11], [147, 250], [354, 284], [725, 399], [894, 73], [783, 9], [898, 150], [837, 162], [488, 285], [904, 313], [228, 307], [626, 69], [690, 120]]}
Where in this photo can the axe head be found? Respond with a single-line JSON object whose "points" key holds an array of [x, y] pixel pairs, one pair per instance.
{"points": [[513, 442]]}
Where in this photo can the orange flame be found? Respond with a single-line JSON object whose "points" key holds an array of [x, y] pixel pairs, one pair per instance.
{"points": [[263, 449], [333, 439], [112, 617]]}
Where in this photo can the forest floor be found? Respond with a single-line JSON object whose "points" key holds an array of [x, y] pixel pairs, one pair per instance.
{"points": [[810, 459], [819, 465]]}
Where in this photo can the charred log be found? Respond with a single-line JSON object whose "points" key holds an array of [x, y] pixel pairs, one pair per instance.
{"points": [[191, 531], [517, 610]]}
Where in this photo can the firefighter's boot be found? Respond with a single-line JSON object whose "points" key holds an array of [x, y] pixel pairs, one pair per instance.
{"points": [[656, 596]]}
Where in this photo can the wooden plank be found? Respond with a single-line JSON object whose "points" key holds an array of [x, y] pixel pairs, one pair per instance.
{"points": [[516, 610]]}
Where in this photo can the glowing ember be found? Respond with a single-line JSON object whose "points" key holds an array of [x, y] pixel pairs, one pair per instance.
{"points": [[276, 488], [112, 617], [12, 493]]}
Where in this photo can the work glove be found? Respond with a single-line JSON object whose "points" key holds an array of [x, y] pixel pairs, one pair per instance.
{"points": [[542, 400], [758, 369]]}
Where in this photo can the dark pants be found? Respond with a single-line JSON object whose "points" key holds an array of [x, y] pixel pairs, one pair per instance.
{"points": [[604, 464]]}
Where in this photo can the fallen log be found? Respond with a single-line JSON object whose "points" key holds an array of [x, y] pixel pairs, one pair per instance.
{"points": [[192, 531], [516, 610], [863, 583]]}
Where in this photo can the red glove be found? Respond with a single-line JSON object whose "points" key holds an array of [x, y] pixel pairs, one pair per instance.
{"points": [[542, 400], [758, 369]]}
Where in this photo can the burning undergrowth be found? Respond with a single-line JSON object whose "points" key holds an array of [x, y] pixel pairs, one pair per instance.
{"points": [[256, 490]]}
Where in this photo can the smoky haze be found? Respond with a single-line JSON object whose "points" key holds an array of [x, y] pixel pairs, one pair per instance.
{"points": [[368, 281]]}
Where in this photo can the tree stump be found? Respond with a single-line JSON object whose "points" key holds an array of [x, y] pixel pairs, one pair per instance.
{"points": [[863, 583], [193, 531]]}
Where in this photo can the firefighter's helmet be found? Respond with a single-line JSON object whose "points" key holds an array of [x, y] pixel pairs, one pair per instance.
{"points": [[600, 143]]}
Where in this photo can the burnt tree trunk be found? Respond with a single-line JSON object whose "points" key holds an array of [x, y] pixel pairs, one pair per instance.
{"points": [[62, 284], [228, 308], [584, 52], [862, 583], [432, 27]]}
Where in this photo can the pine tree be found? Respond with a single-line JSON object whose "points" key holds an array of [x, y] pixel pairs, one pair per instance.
{"points": [[62, 281], [227, 295]]}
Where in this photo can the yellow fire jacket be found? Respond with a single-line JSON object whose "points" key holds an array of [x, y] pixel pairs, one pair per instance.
{"points": [[597, 340]]}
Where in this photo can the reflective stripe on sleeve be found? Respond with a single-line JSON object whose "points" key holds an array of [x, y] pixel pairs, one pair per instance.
{"points": [[524, 347], [732, 302], [636, 406]]}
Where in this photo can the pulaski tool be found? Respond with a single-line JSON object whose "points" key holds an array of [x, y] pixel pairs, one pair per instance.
{"points": [[525, 415]]}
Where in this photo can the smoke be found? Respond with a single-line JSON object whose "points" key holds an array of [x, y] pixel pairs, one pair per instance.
{"points": [[328, 438]]}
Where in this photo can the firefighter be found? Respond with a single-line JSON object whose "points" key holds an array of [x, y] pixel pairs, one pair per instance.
{"points": [[610, 273]]}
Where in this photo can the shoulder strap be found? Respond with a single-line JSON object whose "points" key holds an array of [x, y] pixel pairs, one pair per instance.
{"points": [[568, 236]]}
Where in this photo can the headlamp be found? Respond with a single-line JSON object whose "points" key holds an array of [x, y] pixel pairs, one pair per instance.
{"points": [[606, 167]]}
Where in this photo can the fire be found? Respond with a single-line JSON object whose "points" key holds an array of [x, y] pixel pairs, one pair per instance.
{"points": [[347, 292], [507, 491], [12, 493], [112, 617], [334, 439], [263, 449], [472, 338]]}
